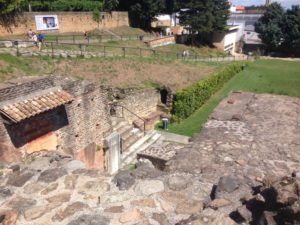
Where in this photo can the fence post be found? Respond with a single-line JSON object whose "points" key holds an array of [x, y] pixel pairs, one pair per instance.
{"points": [[124, 52], [80, 46], [52, 50], [17, 43], [73, 39]]}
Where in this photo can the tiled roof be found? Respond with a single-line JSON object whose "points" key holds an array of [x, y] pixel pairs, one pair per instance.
{"points": [[30, 106]]}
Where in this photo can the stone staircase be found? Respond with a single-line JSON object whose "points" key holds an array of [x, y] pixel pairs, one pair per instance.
{"points": [[133, 140]]}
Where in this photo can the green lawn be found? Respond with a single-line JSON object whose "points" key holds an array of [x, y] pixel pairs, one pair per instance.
{"points": [[262, 76]]}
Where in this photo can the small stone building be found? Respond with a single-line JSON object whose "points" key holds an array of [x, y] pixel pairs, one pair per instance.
{"points": [[63, 114]]}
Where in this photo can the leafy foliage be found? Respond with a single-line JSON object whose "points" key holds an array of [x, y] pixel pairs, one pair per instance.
{"points": [[9, 6], [291, 28], [63, 5], [109, 5], [269, 26], [205, 16], [142, 12], [192, 98]]}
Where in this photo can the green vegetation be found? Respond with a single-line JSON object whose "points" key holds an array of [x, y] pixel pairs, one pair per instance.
{"points": [[188, 100], [279, 29], [262, 76]]}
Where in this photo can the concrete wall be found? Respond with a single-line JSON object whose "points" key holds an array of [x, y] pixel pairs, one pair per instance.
{"points": [[68, 22]]}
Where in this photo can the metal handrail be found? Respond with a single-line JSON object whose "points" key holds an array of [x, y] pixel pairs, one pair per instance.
{"points": [[123, 107]]}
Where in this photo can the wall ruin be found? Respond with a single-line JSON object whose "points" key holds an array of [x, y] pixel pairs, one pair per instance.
{"points": [[69, 22], [77, 128]]}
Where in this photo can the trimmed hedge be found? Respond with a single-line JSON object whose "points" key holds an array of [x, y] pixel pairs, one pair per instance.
{"points": [[188, 100]]}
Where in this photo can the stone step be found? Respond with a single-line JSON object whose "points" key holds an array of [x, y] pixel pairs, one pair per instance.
{"points": [[129, 141], [125, 128], [143, 143]]}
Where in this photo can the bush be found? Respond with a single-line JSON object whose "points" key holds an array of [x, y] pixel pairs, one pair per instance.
{"points": [[188, 100]]}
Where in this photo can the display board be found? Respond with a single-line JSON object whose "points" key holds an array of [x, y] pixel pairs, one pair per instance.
{"points": [[46, 22]]}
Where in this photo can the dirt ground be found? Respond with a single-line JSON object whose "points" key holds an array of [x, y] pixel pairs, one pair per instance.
{"points": [[116, 72]]}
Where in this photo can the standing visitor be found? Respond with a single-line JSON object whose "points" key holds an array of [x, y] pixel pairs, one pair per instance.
{"points": [[41, 40], [29, 34], [34, 39]]}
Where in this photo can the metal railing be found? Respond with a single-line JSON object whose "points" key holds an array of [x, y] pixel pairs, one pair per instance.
{"points": [[128, 110], [123, 51]]}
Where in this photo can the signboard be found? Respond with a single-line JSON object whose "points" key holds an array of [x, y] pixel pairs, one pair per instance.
{"points": [[46, 22]]}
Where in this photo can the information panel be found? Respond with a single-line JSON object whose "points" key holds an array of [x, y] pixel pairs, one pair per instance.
{"points": [[46, 22]]}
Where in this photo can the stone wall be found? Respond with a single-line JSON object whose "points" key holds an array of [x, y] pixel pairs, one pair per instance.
{"points": [[68, 22], [77, 128], [141, 102], [161, 41]]}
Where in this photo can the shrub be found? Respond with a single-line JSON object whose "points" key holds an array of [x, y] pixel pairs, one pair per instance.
{"points": [[188, 100]]}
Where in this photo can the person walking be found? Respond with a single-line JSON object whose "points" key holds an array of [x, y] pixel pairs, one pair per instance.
{"points": [[34, 39], [41, 41]]}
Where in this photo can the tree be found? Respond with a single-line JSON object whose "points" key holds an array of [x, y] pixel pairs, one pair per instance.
{"points": [[269, 26], [96, 17], [291, 27], [205, 16], [9, 6], [142, 12], [221, 14], [109, 5]]}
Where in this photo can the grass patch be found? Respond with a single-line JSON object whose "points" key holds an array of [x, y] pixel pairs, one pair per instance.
{"points": [[262, 76]]}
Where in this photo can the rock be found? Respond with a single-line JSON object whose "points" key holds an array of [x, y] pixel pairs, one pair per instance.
{"points": [[52, 175], [131, 216], [227, 184], [70, 181], [15, 168], [33, 188], [75, 165], [5, 192], [19, 180], [60, 198], [268, 218], [228, 159], [160, 218], [114, 209], [49, 188], [146, 171], [20, 203], [86, 219], [35, 212], [92, 189], [124, 180], [178, 182], [69, 211], [150, 203], [149, 187], [189, 207], [39, 164], [244, 213], [8, 217], [218, 203]]}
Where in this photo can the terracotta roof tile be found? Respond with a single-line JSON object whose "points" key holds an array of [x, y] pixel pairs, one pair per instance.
{"points": [[30, 107]]}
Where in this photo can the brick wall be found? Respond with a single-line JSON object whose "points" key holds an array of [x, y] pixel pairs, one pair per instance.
{"points": [[68, 22]]}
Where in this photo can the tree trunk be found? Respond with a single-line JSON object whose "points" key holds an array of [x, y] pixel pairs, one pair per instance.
{"points": [[29, 7]]}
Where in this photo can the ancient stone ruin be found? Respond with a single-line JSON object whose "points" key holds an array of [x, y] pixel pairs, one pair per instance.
{"points": [[242, 168], [74, 117]]}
